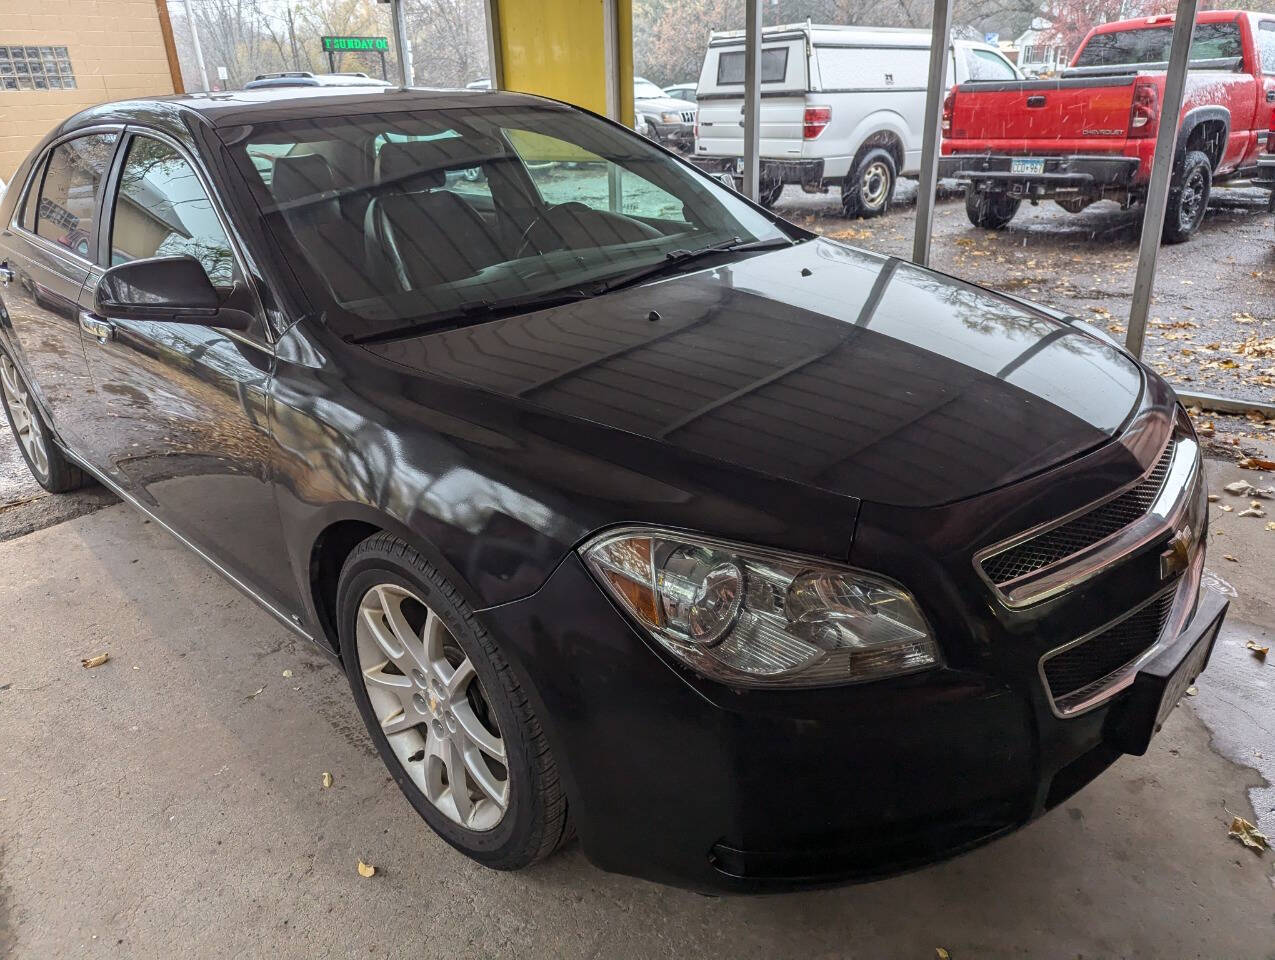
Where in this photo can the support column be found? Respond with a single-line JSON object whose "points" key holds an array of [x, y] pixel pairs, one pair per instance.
{"points": [[405, 72], [936, 91], [1162, 167], [752, 99]]}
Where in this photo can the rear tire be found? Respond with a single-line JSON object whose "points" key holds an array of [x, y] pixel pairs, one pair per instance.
{"points": [[1188, 198], [444, 709], [869, 188], [44, 458], [991, 211]]}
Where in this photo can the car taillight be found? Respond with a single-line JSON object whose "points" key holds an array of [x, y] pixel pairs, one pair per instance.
{"points": [[814, 121], [948, 103], [1145, 112]]}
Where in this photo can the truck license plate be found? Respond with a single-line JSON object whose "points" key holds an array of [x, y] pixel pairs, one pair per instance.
{"points": [[1027, 165], [739, 164]]}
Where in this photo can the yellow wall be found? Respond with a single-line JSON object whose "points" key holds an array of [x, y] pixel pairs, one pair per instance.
{"points": [[556, 48], [117, 51]]}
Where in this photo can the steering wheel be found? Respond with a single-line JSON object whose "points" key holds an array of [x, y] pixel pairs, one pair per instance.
{"points": [[527, 245], [575, 218]]}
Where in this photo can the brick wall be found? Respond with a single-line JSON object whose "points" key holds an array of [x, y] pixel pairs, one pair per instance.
{"points": [[117, 51]]}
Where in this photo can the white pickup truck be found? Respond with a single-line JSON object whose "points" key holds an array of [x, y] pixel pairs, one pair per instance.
{"points": [[841, 107]]}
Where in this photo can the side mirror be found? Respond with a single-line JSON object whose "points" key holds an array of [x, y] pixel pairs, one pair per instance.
{"points": [[171, 289]]}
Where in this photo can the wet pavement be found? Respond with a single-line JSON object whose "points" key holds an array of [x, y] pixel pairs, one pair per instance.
{"points": [[1212, 325]]}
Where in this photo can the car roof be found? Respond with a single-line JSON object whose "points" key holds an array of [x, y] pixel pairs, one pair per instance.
{"points": [[265, 104]]}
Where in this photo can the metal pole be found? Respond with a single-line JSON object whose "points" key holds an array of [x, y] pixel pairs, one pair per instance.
{"points": [[495, 61], [611, 58], [199, 51], [1161, 176], [940, 43], [401, 42], [752, 99]]}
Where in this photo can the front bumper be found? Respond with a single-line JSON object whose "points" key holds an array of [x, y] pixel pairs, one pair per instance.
{"points": [[676, 779], [680, 136], [1069, 174], [808, 174]]}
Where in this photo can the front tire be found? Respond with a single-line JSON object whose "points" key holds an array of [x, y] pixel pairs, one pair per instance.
{"points": [[46, 461], [869, 188], [444, 710], [1188, 198], [991, 211]]}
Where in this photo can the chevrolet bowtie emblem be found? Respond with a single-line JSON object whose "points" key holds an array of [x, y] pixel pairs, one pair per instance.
{"points": [[1175, 559]]}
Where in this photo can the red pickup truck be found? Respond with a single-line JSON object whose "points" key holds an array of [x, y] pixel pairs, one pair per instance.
{"points": [[1090, 134]]}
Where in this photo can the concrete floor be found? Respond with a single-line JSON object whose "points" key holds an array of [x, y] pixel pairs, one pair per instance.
{"points": [[169, 803]]}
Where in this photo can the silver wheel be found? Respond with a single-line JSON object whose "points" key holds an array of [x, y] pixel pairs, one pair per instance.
{"points": [[26, 425], [874, 184], [431, 707]]}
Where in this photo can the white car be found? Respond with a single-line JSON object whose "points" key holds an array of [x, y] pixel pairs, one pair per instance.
{"points": [[841, 107]]}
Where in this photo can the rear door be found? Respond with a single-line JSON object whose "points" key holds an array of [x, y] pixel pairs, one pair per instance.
{"points": [[785, 80], [48, 250]]}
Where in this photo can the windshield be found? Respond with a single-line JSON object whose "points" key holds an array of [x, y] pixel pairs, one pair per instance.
{"points": [[1210, 41], [391, 218], [646, 90]]}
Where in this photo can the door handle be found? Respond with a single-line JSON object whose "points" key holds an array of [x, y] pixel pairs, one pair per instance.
{"points": [[96, 327], [1036, 101], [1270, 96]]}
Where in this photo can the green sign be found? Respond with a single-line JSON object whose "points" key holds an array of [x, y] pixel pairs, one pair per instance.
{"points": [[337, 44]]}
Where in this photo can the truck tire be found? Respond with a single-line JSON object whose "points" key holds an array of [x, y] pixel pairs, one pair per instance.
{"points": [[1188, 196], [988, 210], [869, 188]]}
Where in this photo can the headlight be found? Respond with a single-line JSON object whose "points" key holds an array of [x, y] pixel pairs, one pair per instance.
{"points": [[670, 118], [750, 617]]}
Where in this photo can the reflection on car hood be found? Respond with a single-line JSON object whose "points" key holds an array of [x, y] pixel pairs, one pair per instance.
{"points": [[819, 363]]}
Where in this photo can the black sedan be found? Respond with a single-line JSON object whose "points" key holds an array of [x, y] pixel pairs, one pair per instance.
{"points": [[630, 510]]}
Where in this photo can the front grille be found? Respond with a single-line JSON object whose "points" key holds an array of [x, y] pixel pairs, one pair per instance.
{"points": [[1103, 654], [1081, 531], [688, 116]]}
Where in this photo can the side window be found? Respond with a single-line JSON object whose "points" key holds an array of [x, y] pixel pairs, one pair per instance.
{"points": [[69, 191], [1266, 45], [31, 202], [564, 172], [985, 65], [161, 210]]}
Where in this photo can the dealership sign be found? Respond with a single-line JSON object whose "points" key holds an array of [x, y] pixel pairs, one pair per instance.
{"points": [[340, 44]]}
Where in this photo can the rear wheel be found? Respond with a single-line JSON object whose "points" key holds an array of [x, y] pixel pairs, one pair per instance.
{"points": [[44, 459], [1188, 198], [447, 715], [869, 188], [991, 211]]}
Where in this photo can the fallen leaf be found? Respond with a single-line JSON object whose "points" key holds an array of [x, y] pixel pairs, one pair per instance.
{"points": [[257, 692], [1242, 488], [96, 661], [1251, 512], [1192, 690], [1270, 526], [1227, 556], [1227, 507], [1249, 835], [327, 779], [287, 673], [1256, 463], [1258, 651], [1213, 498], [942, 954], [366, 869]]}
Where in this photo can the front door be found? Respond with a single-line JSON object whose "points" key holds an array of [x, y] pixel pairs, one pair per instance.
{"points": [[46, 254], [183, 421]]}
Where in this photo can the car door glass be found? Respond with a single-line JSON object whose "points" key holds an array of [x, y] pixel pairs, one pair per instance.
{"points": [[1266, 45], [64, 214], [161, 210], [564, 172], [985, 65]]}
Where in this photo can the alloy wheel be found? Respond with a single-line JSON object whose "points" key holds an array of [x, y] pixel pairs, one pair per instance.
{"points": [[873, 184], [26, 425], [430, 704], [1191, 205]]}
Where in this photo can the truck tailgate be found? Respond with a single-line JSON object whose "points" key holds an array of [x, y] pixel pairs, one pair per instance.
{"points": [[1089, 113]]}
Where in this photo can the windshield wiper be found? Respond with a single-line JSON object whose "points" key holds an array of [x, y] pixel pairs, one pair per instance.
{"points": [[475, 311], [679, 258]]}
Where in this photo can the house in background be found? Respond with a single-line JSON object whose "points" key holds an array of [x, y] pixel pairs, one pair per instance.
{"points": [[1039, 53]]}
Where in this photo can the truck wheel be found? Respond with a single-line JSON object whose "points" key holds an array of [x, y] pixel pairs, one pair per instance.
{"points": [[991, 211], [868, 190], [1188, 196]]}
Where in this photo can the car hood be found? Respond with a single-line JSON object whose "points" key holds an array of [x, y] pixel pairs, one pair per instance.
{"points": [[669, 104], [862, 375]]}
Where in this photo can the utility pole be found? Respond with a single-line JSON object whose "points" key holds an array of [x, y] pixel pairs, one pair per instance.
{"points": [[199, 52], [400, 41], [292, 39]]}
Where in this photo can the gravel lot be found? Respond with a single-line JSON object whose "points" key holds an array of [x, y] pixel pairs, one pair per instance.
{"points": [[1213, 318]]}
